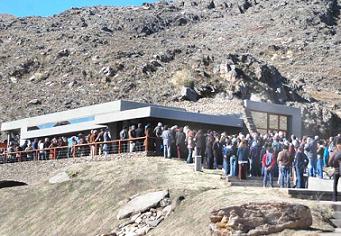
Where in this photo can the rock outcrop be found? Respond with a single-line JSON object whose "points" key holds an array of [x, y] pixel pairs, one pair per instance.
{"points": [[259, 219]]}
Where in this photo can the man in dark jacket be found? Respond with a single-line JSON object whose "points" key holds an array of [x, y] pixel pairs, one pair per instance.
{"points": [[300, 163], [200, 143], [139, 134], [209, 151]]}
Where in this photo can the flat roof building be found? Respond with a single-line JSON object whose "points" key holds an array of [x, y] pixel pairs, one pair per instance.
{"points": [[115, 115]]}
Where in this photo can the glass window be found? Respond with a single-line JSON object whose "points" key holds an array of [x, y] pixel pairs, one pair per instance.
{"points": [[260, 119], [273, 122], [283, 123]]}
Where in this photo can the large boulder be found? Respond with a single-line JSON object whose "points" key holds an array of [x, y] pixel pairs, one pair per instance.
{"points": [[141, 203], [189, 94], [260, 219]]}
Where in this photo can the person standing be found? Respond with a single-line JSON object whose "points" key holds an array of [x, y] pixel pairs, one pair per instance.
{"points": [[300, 163], [123, 137], [106, 144], [243, 157], [132, 137], [284, 162], [209, 151], [180, 140], [139, 134], [41, 150], [319, 164], [190, 146], [217, 151], [167, 142], [335, 161], [99, 140], [149, 141], [158, 140], [311, 152], [226, 157], [268, 164], [200, 144], [233, 158], [254, 157], [92, 140]]}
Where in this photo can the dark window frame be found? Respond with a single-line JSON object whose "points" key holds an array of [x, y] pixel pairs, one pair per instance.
{"points": [[268, 121]]}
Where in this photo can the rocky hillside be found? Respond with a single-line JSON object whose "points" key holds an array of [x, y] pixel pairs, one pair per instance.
{"points": [[278, 51]]}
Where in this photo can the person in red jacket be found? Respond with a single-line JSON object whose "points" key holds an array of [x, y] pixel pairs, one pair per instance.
{"points": [[268, 163]]}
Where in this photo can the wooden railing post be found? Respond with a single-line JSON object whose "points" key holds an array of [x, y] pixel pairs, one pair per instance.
{"points": [[119, 146], [147, 144]]}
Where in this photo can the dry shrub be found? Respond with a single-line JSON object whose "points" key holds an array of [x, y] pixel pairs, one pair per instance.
{"points": [[183, 78]]}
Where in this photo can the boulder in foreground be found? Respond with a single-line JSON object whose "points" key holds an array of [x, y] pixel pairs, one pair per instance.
{"points": [[259, 219], [141, 203]]}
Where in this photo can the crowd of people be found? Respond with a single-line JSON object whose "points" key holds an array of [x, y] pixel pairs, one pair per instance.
{"points": [[58, 147], [271, 155]]}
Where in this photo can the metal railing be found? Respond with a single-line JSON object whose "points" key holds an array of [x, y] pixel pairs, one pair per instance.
{"points": [[143, 144]]}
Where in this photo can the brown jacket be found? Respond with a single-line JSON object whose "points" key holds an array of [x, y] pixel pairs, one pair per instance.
{"points": [[284, 158]]}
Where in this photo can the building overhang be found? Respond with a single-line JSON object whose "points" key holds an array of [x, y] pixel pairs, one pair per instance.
{"points": [[108, 113], [165, 113]]}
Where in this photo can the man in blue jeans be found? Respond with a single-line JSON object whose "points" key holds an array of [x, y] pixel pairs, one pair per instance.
{"points": [[284, 163], [310, 150], [268, 164], [300, 163], [227, 155]]}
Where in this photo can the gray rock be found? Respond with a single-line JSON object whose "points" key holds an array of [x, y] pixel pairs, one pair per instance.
{"points": [[151, 67], [39, 77], [141, 203], [260, 219], [211, 5], [59, 178], [154, 223], [34, 102], [167, 210], [165, 202], [13, 80], [107, 71], [189, 94], [63, 53]]}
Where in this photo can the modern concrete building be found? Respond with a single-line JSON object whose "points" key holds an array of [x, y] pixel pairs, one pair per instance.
{"points": [[273, 117], [115, 115]]}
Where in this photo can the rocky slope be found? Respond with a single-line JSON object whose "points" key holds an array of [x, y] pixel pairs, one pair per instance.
{"points": [[278, 51]]}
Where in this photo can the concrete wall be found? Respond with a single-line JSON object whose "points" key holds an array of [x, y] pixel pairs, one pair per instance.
{"points": [[295, 119]]}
